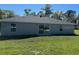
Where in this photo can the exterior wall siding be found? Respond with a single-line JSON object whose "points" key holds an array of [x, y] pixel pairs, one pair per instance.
{"points": [[67, 29], [33, 29], [21, 29]]}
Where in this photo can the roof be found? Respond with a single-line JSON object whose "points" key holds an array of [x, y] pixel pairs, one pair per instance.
{"points": [[35, 19]]}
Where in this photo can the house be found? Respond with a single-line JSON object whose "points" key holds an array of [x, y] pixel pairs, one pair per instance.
{"points": [[34, 25]]}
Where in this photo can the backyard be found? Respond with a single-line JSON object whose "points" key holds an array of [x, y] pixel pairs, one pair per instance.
{"points": [[45, 45]]}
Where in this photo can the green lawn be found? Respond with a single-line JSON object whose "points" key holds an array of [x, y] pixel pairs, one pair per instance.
{"points": [[45, 45]]}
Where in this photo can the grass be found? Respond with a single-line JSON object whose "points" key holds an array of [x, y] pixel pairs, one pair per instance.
{"points": [[45, 45]]}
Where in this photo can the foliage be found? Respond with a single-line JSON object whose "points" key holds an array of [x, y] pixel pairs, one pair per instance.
{"points": [[6, 14], [41, 14], [27, 12], [9, 13], [33, 13], [70, 15], [47, 10], [57, 15], [78, 17], [1, 14]]}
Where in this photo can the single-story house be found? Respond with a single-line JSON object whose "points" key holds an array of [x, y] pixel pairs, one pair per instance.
{"points": [[34, 25]]}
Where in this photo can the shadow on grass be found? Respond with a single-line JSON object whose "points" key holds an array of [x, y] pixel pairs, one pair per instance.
{"points": [[16, 37], [29, 36]]}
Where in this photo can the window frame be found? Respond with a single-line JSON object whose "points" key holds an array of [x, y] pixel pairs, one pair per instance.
{"points": [[13, 27], [61, 28], [44, 28]]}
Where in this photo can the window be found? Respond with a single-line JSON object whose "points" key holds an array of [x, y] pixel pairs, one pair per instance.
{"points": [[41, 26], [13, 27], [61, 28], [43, 29], [46, 29]]}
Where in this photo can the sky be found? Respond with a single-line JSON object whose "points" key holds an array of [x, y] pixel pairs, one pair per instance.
{"points": [[19, 8]]}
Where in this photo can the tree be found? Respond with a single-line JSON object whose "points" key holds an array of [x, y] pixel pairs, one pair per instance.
{"points": [[41, 14], [78, 17], [27, 12], [70, 15], [1, 14], [33, 14], [9, 13], [58, 15], [47, 10], [6, 14]]}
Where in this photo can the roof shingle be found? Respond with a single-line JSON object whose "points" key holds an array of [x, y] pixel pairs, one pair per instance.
{"points": [[35, 19]]}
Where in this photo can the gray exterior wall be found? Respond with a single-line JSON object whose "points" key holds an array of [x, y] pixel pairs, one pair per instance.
{"points": [[66, 29], [21, 29], [33, 29]]}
